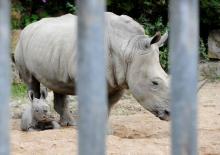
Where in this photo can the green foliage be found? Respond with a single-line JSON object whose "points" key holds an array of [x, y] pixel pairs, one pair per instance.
{"points": [[120, 5], [71, 7], [164, 56], [16, 10], [18, 90], [32, 10], [150, 29], [203, 51], [209, 19], [210, 13], [150, 8], [30, 19]]}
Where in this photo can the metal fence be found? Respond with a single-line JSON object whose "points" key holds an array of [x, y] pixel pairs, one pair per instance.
{"points": [[4, 75], [184, 41], [91, 78]]}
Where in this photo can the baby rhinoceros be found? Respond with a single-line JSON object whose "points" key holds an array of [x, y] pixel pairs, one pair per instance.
{"points": [[37, 115]]}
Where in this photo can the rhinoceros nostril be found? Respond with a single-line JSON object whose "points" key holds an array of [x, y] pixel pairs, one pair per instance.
{"points": [[164, 115], [167, 112]]}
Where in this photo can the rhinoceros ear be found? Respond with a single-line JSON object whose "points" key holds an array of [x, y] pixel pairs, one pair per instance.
{"points": [[31, 95], [163, 39], [43, 93], [155, 38]]}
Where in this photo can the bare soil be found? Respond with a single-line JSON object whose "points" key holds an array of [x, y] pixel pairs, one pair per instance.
{"points": [[135, 131]]}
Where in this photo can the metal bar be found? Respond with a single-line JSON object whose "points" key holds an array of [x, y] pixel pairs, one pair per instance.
{"points": [[184, 41], [4, 75], [91, 82]]}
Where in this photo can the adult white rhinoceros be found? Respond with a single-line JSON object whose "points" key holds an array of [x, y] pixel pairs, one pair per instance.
{"points": [[46, 53]]}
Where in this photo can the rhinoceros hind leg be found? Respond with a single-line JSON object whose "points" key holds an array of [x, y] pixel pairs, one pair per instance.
{"points": [[34, 85], [61, 106]]}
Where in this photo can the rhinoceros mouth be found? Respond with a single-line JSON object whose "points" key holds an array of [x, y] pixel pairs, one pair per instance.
{"points": [[162, 114]]}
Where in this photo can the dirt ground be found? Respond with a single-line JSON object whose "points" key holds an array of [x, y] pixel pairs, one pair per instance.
{"points": [[135, 131]]}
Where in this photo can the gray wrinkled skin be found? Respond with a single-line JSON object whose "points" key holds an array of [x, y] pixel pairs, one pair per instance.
{"points": [[37, 115], [46, 53]]}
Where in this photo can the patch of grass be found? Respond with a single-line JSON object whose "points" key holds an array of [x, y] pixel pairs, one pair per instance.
{"points": [[18, 90], [215, 79]]}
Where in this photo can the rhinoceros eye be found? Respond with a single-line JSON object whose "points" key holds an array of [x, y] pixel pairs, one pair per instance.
{"points": [[155, 83], [36, 111]]}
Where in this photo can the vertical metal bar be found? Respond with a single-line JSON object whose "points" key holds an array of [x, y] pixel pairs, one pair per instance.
{"points": [[4, 75], [184, 42], [91, 82]]}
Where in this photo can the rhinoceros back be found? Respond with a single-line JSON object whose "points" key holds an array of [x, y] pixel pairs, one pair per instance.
{"points": [[46, 50]]}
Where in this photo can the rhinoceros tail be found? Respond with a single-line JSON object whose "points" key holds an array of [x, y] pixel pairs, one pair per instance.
{"points": [[17, 57], [13, 57]]}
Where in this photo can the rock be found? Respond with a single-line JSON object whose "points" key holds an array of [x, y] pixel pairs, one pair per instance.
{"points": [[15, 34], [16, 108], [214, 44], [209, 70], [14, 40], [15, 74]]}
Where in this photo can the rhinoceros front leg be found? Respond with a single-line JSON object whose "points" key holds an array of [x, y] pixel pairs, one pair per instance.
{"points": [[34, 86], [62, 108], [112, 100]]}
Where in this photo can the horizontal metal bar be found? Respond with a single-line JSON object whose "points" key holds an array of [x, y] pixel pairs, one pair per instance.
{"points": [[4, 75], [91, 82], [184, 41]]}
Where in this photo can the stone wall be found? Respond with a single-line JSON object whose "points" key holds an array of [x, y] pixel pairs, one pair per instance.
{"points": [[214, 44]]}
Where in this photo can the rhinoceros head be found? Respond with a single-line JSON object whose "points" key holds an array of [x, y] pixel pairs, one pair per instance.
{"points": [[40, 107], [147, 81]]}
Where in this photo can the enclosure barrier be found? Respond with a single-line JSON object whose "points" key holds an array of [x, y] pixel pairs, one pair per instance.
{"points": [[184, 40], [91, 85], [91, 80], [4, 75]]}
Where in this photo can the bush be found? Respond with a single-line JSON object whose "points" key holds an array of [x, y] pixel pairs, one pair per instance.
{"points": [[209, 15], [33, 10], [151, 29]]}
